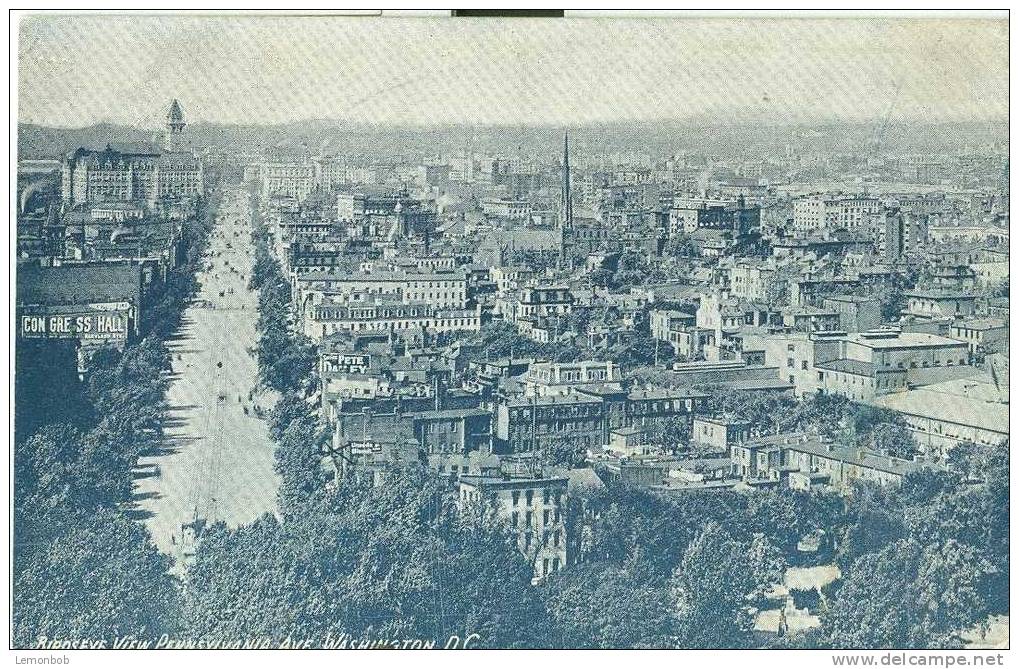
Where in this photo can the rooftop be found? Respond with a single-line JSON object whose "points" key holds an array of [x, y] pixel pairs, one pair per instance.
{"points": [[857, 299], [550, 400], [382, 276], [78, 283], [506, 482], [664, 394], [857, 367], [895, 339], [441, 414], [757, 384], [949, 407], [981, 323], [939, 294], [584, 478], [803, 443]]}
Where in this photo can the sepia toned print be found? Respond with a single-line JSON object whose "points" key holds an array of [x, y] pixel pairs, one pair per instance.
{"points": [[465, 333]]}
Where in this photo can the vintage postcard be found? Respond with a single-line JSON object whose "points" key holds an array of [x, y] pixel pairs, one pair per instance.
{"points": [[381, 331]]}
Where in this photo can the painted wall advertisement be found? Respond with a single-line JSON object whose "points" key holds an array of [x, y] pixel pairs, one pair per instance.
{"points": [[346, 363], [99, 323]]}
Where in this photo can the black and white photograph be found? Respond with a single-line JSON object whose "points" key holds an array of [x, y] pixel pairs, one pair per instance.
{"points": [[479, 330]]}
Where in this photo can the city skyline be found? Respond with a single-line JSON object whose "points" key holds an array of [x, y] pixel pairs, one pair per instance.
{"points": [[581, 333], [532, 72]]}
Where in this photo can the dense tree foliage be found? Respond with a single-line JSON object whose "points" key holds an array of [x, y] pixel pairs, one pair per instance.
{"points": [[671, 433], [393, 561], [286, 359], [83, 569], [922, 561], [500, 339], [909, 595], [90, 575], [596, 605], [716, 583]]}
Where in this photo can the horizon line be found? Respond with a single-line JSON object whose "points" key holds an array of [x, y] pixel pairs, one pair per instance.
{"points": [[542, 125]]}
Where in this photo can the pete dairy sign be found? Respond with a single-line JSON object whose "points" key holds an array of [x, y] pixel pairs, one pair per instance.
{"points": [[350, 363], [95, 325]]}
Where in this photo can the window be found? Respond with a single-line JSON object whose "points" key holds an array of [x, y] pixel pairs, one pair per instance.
{"points": [[516, 498], [530, 497], [528, 518], [803, 364], [790, 363]]}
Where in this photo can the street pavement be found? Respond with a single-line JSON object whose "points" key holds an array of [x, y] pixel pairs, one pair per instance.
{"points": [[218, 460]]}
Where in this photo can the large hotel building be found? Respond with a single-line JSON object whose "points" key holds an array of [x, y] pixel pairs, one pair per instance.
{"points": [[139, 174]]}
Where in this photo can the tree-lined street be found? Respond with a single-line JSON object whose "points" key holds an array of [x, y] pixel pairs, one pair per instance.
{"points": [[218, 460]]}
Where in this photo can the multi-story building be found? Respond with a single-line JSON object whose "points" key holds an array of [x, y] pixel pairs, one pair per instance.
{"points": [[646, 408], [326, 317], [544, 301], [306, 257], [795, 355], [937, 303], [687, 215], [287, 172], [134, 174], [754, 280], [553, 421], [857, 379], [330, 172], [810, 319], [510, 278], [821, 213], [386, 216], [450, 431], [987, 334], [897, 233], [534, 509], [509, 210], [877, 362], [719, 434], [803, 461], [726, 315], [561, 378], [678, 329], [856, 313], [442, 290]]}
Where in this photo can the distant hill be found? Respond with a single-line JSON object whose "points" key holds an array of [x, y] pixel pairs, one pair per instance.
{"points": [[699, 136], [36, 141]]}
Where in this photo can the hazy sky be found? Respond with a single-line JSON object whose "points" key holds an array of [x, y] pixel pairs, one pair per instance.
{"points": [[79, 70]]}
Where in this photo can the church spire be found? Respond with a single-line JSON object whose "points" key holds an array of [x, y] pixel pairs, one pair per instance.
{"points": [[566, 210], [566, 216]]}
